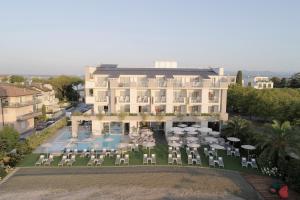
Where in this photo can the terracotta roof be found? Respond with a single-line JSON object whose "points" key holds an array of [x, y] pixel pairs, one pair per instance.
{"points": [[7, 90]]}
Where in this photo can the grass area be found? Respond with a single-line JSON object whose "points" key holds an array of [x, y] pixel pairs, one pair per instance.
{"points": [[136, 158]]}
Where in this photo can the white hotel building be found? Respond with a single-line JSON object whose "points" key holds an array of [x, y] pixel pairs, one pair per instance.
{"points": [[159, 97]]}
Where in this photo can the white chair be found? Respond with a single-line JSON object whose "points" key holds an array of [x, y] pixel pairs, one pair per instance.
{"points": [[190, 160], [221, 163], [206, 151], [170, 159], [211, 161], [228, 151], [198, 160], [126, 160], [237, 152], [253, 163], [153, 159], [179, 161], [117, 161], [244, 162], [145, 159]]}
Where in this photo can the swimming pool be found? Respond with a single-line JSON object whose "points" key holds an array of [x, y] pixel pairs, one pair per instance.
{"points": [[85, 140]]}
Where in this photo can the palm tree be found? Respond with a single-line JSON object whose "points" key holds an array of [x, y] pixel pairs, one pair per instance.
{"points": [[279, 143], [236, 127]]}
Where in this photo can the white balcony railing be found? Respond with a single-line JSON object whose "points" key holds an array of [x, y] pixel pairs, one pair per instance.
{"points": [[160, 99], [123, 99], [179, 100], [143, 99], [102, 99], [213, 99], [195, 99]]}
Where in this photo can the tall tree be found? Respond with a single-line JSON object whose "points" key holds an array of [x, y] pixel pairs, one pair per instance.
{"points": [[8, 138], [295, 81], [276, 82], [239, 77]]}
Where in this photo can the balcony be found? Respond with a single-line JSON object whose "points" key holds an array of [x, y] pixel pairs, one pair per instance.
{"points": [[196, 99], [214, 99], [142, 84], [123, 99], [143, 99], [102, 99], [181, 100], [20, 104], [102, 84], [154, 83], [160, 99], [116, 84], [28, 116]]}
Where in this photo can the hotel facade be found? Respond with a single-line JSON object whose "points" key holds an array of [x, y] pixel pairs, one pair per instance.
{"points": [[159, 97]]}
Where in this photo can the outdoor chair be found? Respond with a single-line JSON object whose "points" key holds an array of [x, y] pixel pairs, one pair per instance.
{"points": [[188, 151], [136, 147], [170, 159], [179, 161], [91, 161], [198, 160], [253, 163], [50, 159], [71, 161], [221, 162], [190, 160], [206, 152], [228, 151], [100, 160], [75, 151], [85, 153], [126, 160], [237, 152], [63, 161], [211, 161], [145, 159], [153, 160], [92, 151], [244, 162], [117, 162]]}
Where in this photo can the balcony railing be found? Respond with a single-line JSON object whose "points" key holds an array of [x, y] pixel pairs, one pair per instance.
{"points": [[195, 99], [143, 99], [123, 99], [103, 99], [154, 83], [160, 99], [20, 104], [179, 100], [102, 84], [213, 100], [142, 83]]}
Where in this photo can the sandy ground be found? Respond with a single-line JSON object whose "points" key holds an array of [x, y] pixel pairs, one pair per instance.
{"points": [[165, 184]]}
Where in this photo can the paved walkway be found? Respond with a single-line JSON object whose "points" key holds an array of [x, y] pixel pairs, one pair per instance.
{"points": [[246, 190]]}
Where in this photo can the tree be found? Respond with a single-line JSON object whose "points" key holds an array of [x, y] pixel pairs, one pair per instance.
{"points": [[16, 79], [283, 83], [44, 112], [9, 138], [279, 143], [63, 86], [239, 78], [295, 81], [236, 127], [276, 82]]}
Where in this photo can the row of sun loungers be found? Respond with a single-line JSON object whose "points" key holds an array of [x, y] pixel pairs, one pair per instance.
{"points": [[251, 162], [119, 160], [152, 159], [172, 160], [96, 161], [212, 162], [44, 161]]}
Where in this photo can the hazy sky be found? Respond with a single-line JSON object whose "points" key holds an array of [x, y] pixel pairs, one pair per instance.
{"points": [[61, 37]]}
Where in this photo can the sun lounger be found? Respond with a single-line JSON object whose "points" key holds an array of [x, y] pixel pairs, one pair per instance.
{"points": [[190, 160], [91, 161], [221, 163], [253, 163], [85, 153], [63, 161], [49, 160], [228, 151], [75, 151], [244, 162], [153, 159], [211, 161], [145, 161], [188, 151], [117, 161], [126, 160], [136, 147], [198, 160], [40, 161], [237, 152], [170, 159]]}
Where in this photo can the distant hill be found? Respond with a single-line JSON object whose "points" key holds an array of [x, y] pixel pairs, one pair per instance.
{"points": [[249, 74]]}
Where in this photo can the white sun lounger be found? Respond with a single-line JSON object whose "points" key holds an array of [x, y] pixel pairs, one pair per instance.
{"points": [[190, 160], [244, 162], [117, 161], [40, 161], [211, 161], [126, 160], [221, 163], [91, 161], [153, 159], [145, 161]]}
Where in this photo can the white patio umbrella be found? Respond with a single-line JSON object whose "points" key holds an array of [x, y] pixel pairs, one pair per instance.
{"points": [[233, 139], [248, 148], [179, 133], [193, 145], [47, 146], [214, 133], [182, 125], [196, 125], [190, 128], [192, 139], [193, 133], [205, 129], [149, 145], [174, 144], [174, 129], [173, 138], [210, 139], [217, 147]]}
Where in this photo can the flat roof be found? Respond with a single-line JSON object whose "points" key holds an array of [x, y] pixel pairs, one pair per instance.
{"points": [[152, 72]]}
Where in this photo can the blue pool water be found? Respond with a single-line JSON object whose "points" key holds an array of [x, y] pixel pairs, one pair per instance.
{"points": [[84, 141]]}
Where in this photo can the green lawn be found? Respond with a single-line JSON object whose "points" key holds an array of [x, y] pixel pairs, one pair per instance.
{"points": [[136, 158]]}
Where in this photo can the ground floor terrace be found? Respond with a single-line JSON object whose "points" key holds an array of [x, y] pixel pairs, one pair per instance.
{"points": [[126, 183]]}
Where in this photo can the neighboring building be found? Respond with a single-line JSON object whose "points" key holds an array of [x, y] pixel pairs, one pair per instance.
{"points": [[18, 107], [168, 95], [46, 96], [80, 90], [259, 82]]}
